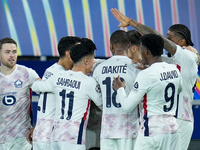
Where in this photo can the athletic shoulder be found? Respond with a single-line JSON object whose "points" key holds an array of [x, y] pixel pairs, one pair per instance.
{"points": [[53, 69]]}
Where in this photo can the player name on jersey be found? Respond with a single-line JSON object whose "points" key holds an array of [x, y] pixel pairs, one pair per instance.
{"points": [[69, 83], [114, 69], [168, 75]]}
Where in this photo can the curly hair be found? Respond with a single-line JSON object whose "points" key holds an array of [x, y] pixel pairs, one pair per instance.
{"points": [[154, 43]]}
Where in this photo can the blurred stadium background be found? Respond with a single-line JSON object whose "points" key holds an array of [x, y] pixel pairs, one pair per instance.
{"points": [[38, 25]]}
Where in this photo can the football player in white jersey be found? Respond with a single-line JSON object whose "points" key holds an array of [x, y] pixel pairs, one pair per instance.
{"points": [[46, 102], [186, 61], [161, 82], [133, 52], [119, 129], [15, 103], [72, 90], [180, 35]]}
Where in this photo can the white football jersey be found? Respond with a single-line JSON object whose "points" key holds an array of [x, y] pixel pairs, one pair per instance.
{"points": [[46, 109], [72, 93], [161, 83], [116, 123], [15, 103], [187, 63]]}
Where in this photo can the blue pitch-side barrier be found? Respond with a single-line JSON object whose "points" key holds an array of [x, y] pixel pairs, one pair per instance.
{"points": [[40, 67]]}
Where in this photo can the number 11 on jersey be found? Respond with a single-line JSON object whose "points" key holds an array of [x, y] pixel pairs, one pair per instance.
{"points": [[69, 95]]}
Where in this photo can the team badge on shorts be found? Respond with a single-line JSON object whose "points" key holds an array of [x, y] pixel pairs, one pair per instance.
{"points": [[18, 84]]}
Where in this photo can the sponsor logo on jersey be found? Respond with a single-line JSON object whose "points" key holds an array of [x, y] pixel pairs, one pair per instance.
{"points": [[18, 83]]}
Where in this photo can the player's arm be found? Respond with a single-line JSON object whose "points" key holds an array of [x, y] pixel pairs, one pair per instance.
{"points": [[29, 136], [43, 86], [125, 21], [130, 102], [180, 83], [94, 92], [32, 76]]}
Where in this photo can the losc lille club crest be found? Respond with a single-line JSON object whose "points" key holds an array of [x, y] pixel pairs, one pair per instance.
{"points": [[18, 83]]}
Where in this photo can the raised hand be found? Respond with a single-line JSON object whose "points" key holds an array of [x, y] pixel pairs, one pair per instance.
{"points": [[124, 21]]}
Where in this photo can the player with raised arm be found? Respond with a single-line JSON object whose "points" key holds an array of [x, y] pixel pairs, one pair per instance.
{"points": [[15, 82], [119, 129], [72, 90], [160, 83], [180, 35], [186, 61], [46, 102]]}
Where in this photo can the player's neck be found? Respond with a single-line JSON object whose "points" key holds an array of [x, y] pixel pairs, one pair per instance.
{"points": [[77, 68], [137, 56], [155, 60], [63, 63], [7, 70], [120, 52]]}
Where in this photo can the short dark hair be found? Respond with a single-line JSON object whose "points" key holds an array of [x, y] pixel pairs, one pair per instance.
{"points": [[154, 43], [134, 37], [66, 43], [183, 32], [79, 51], [7, 40], [119, 37]]}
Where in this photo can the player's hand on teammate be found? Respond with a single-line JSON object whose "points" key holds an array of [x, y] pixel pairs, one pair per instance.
{"points": [[117, 83], [124, 21], [38, 79], [192, 49], [29, 136], [140, 65]]}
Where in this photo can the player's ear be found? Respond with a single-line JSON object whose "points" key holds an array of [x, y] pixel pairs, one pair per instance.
{"points": [[86, 61], [111, 46], [182, 42], [67, 54], [129, 45], [134, 49], [112, 49], [146, 51]]}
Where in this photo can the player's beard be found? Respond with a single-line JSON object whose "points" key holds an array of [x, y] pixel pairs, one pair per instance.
{"points": [[9, 64]]}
